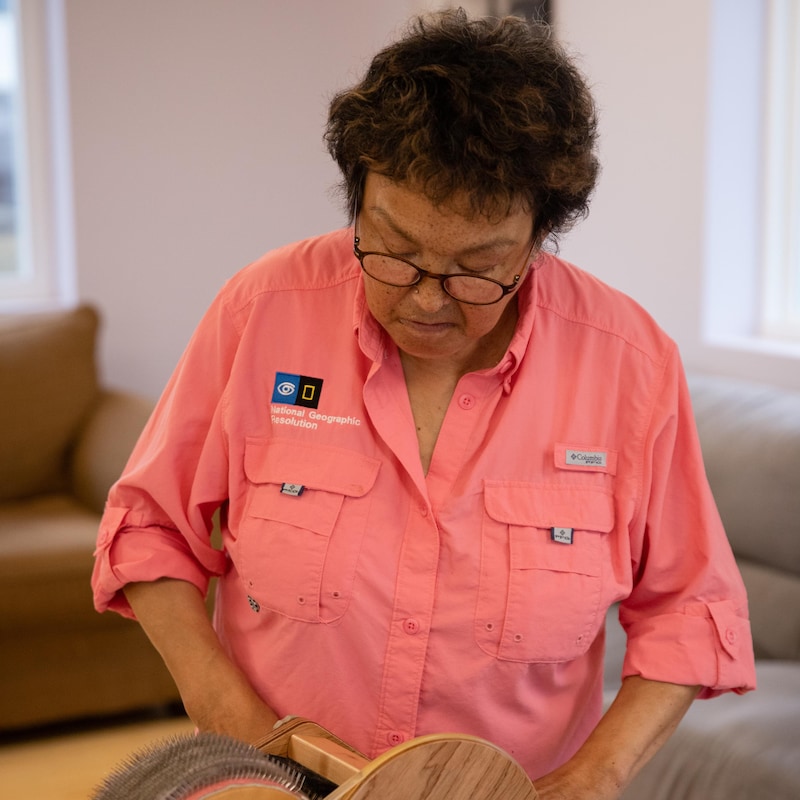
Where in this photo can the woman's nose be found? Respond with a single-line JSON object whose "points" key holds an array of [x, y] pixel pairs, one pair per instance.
{"points": [[430, 295]]}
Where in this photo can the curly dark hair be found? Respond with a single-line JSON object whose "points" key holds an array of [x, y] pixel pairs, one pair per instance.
{"points": [[490, 108]]}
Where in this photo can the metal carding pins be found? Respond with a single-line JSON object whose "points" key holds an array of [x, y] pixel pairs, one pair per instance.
{"points": [[192, 767]]}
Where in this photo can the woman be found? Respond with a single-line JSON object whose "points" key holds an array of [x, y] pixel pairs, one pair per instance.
{"points": [[439, 453]]}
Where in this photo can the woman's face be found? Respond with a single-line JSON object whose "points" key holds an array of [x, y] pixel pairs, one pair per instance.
{"points": [[423, 320]]}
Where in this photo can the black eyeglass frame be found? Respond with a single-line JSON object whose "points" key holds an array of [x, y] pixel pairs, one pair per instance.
{"points": [[442, 278]]}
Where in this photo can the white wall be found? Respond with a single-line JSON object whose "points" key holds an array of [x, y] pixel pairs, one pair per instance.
{"points": [[650, 65], [196, 128], [197, 143], [647, 65]]}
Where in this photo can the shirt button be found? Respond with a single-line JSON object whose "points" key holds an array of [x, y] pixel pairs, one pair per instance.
{"points": [[411, 626], [466, 401], [730, 635], [394, 738]]}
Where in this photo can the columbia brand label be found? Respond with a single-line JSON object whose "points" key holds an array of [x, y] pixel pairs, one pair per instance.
{"points": [[292, 489], [296, 390], [586, 458], [562, 535]]}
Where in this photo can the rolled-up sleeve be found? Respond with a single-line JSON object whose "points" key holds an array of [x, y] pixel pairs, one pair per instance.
{"points": [[159, 515], [133, 554], [707, 645], [686, 618]]}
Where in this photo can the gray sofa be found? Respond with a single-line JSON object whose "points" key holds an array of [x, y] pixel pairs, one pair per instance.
{"points": [[743, 747]]}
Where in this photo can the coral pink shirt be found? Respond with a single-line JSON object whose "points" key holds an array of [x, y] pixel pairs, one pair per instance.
{"points": [[385, 603]]}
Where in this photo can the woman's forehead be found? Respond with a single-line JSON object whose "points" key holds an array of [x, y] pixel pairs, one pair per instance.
{"points": [[406, 208]]}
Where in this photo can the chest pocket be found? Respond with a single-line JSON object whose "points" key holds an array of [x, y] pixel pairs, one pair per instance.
{"points": [[540, 599], [304, 521]]}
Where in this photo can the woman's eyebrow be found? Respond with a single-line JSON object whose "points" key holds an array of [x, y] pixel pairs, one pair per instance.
{"points": [[498, 243], [387, 218]]}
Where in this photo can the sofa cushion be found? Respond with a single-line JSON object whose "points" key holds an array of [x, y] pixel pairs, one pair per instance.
{"points": [[750, 436], [732, 747], [774, 599], [48, 383]]}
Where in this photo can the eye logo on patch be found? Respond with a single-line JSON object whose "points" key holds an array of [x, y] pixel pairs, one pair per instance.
{"points": [[296, 390]]}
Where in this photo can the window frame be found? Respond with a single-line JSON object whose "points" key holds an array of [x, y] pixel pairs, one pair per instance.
{"points": [[780, 256], [45, 276], [734, 269]]}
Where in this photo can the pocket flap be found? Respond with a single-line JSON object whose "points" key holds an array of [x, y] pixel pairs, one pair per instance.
{"points": [[331, 469], [532, 505]]}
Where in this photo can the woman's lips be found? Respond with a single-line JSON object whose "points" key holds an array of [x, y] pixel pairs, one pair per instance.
{"points": [[426, 327], [422, 325]]}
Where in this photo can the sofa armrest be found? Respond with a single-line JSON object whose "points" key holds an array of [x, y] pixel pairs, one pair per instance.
{"points": [[104, 444]]}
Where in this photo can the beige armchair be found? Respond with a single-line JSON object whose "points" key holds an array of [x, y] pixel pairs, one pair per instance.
{"points": [[63, 440]]}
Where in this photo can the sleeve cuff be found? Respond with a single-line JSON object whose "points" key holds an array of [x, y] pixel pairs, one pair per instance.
{"points": [[709, 645], [138, 555]]}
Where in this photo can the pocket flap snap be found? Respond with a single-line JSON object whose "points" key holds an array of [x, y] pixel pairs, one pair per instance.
{"points": [[330, 469], [532, 505]]}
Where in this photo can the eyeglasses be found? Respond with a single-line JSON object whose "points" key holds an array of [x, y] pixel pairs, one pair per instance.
{"points": [[395, 271]]}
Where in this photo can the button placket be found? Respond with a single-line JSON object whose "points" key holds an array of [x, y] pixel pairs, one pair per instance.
{"points": [[466, 401], [413, 607]]}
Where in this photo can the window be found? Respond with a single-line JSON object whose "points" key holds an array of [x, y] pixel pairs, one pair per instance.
{"points": [[780, 316], [35, 224], [9, 82], [752, 269]]}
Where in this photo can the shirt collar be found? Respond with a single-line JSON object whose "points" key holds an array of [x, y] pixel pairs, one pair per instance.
{"points": [[527, 296], [372, 337]]}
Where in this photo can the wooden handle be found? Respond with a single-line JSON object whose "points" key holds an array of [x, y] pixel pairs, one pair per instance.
{"points": [[278, 742], [326, 757]]}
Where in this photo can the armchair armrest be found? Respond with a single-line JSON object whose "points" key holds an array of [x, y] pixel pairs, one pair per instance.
{"points": [[104, 445]]}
